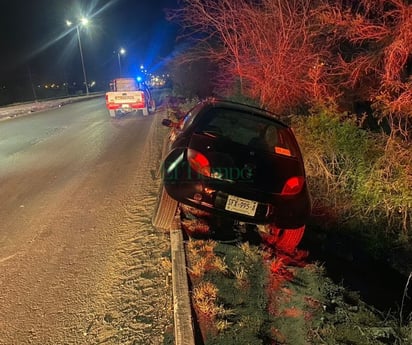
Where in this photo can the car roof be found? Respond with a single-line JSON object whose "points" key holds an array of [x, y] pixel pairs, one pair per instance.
{"points": [[219, 102]]}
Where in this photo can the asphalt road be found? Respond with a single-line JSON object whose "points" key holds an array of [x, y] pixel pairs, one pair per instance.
{"points": [[80, 262]]}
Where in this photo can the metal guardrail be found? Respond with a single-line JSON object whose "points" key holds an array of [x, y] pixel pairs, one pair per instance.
{"points": [[19, 109], [169, 221], [184, 330]]}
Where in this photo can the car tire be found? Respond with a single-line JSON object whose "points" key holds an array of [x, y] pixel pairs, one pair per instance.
{"points": [[164, 217], [145, 111], [152, 107], [285, 240]]}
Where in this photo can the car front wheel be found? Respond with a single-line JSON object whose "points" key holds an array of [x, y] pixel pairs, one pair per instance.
{"points": [[164, 215]]}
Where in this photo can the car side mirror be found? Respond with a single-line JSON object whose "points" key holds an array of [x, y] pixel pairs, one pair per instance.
{"points": [[167, 123]]}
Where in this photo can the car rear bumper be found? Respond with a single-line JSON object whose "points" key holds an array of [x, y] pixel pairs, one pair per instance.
{"points": [[125, 106], [283, 212]]}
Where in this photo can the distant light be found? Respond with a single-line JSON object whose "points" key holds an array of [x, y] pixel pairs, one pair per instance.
{"points": [[141, 67], [139, 78], [122, 51], [68, 23]]}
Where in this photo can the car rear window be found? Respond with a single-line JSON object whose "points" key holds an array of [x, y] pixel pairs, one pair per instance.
{"points": [[248, 129]]}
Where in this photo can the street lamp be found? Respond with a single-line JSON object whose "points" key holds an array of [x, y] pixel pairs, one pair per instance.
{"points": [[84, 22], [120, 52]]}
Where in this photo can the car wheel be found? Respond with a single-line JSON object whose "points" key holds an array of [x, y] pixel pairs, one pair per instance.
{"points": [[145, 111], [285, 240], [152, 107], [164, 215]]}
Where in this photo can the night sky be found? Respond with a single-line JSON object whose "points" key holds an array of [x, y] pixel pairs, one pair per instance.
{"points": [[37, 43]]}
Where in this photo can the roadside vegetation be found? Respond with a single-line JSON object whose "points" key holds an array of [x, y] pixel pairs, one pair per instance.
{"points": [[340, 72], [249, 294], [361, 183]]}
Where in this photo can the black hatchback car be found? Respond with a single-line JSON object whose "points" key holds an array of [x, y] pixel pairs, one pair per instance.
{"points": [[240, 162]]}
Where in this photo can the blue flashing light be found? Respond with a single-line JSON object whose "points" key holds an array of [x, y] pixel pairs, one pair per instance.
{"points": [[139, 79]]}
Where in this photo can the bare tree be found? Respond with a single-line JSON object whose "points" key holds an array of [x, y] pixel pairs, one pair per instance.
{"points": [[267, 46], [374, 43], [289, 53]]}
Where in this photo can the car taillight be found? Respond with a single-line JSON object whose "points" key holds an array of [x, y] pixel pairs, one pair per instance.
{"points": [[293, 185], [198, 162]]}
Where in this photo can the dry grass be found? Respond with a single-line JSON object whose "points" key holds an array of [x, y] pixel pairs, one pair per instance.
{"points": [[253, 253], [202, 258], [198, 267], [196, 247], [204, 298], [361, 183], [242, 280], [223, 325], [198, 226]]}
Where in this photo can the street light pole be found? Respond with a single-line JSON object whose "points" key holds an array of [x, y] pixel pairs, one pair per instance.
{"points": [[81, 57], [84, 21], [120, 52], [120, 64]]}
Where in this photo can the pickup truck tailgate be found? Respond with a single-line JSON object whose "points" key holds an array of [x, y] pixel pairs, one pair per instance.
{"points": [[130, 99]]}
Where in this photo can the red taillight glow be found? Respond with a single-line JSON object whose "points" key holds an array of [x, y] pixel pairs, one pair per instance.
{"points": [[293, 185], [282, 151], [198, 162]]}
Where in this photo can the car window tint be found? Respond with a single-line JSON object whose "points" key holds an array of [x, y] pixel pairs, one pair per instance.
{"points": [[248, 129]]}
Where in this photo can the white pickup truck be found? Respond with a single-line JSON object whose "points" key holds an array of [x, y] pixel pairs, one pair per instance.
{"points": [[128, 95]]}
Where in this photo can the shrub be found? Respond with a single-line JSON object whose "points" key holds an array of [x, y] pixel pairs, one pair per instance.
{"points": [[356, 176]]}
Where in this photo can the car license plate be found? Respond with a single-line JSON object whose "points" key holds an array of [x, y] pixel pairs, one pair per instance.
{"points": [[240, 205], [125, 106]]}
